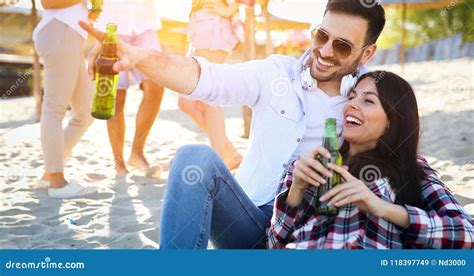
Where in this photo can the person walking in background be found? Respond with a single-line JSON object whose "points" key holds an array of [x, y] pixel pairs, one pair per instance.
{"points": [[59, 41], [137, 23], [211, 35]]}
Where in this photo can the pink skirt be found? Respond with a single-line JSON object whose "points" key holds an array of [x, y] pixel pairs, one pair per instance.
{"points": [[211, 31]]}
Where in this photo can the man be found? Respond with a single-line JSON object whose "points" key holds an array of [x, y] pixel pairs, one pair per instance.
{"points": [[290, 101], [137, 23]]}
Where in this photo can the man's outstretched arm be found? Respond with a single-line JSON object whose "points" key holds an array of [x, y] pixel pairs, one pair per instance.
{"points": [[196, 78], [177, 73]]}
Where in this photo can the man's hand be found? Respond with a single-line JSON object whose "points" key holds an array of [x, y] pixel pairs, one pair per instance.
{"points": [[128, 55], [91, 57], [179, 74]]}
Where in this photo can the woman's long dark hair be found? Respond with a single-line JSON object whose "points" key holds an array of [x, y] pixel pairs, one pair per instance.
{"points": [[395, 154]]}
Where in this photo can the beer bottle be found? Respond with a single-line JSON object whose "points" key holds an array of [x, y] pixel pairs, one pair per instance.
{"points": [[105, 84], [331, 143], [97, 5]]}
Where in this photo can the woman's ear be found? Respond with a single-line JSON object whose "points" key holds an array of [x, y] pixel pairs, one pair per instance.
{"points": [[369, 52]]}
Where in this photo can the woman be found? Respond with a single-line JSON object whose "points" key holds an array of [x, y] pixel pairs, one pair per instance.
{"points": [[399, 203], [58, 41], [212, 37], [137, 23]]}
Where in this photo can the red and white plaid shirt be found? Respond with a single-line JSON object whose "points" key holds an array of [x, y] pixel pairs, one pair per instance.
{"points": [[442, 224]]}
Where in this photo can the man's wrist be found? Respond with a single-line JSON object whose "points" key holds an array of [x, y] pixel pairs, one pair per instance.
{"points": [[142, 54]]}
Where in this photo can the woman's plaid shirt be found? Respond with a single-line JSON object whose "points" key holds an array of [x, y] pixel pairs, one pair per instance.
{"points": [[442, 224]]}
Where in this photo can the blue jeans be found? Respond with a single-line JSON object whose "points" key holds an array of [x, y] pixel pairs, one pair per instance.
{"points": [[203, 202]]}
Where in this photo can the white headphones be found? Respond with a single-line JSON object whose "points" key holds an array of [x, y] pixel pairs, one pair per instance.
{"points": [[310, 84]]}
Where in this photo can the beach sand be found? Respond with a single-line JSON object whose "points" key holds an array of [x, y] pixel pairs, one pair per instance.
{"points": [[125, 213]]}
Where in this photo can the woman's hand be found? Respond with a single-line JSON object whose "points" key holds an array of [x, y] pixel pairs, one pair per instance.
{"points": [[93, 15], [308, 172], [221, 8], [94, 12], [354, 191]]}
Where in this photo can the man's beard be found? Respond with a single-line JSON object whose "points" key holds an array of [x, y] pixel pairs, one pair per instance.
{"points": [[336, 76]]}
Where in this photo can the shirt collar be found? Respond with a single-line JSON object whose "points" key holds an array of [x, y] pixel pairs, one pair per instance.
{"points": [[298, 67]]}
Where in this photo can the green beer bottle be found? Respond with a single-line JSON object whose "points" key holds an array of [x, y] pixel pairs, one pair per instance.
{"points": [[105, 84], [331, 143]]}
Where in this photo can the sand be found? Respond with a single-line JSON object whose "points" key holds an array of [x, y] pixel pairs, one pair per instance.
{"points": [[125, 213]]}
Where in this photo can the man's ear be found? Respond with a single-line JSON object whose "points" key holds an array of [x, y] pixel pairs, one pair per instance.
{"points": [[369, 52]]}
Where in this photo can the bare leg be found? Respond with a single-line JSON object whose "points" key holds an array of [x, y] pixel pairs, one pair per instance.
{"points": [[116, 129], [214, 119], [56, 180], [147, 112], [195, 110]]}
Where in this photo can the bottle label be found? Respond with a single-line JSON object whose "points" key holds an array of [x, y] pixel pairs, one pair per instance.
{"points": [[105, 86]]}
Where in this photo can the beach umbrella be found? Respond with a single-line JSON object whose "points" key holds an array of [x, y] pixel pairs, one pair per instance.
{"points": [[405, 5], [250, 54], [267, 28], [308, 11], [417, 4]]}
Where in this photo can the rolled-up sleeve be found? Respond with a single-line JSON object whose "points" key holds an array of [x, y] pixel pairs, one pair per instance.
{"points": [[282, 224], [284, 220], [229, 84]]}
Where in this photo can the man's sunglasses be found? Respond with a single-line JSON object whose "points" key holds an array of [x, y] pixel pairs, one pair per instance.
{"points": [[341, 48]]}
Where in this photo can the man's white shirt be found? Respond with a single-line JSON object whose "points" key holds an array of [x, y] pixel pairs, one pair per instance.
{"points": [[287, 120]]}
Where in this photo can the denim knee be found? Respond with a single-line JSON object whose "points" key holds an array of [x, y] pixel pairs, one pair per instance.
{"points": [[195, 155], [194, 163]]}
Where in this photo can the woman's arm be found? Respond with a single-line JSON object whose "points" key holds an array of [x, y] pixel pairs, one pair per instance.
{"points": [[59, 4], [294, 201], [282, 224], [395, 213], [444, 223]]}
